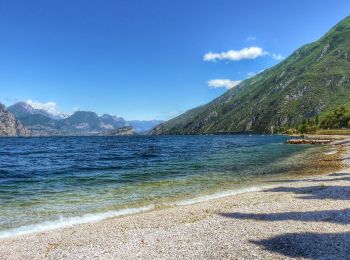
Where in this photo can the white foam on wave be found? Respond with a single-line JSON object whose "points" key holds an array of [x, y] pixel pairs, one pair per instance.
{"points": [[331, 152], [70, 221], [217, 195], [88, 218]]}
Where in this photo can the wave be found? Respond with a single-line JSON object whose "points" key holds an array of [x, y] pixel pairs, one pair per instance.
{"points": [[88, 218], [70, 221], [218, 195], [331, 152]]}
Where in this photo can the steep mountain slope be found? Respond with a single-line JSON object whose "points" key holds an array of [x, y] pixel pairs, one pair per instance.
{"points": [[9, 126], [314, 79]]}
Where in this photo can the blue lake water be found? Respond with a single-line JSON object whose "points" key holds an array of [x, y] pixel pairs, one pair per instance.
{"points": [[49, 182]]}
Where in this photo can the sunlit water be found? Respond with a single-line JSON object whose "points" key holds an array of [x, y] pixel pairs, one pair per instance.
{"points": [[58, 181]]}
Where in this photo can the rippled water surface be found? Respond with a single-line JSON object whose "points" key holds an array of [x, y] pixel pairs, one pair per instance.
{"points": [[55, 180]]}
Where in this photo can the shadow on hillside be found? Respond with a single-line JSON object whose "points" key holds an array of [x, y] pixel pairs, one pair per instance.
{"points": [[317, 192], [309, 245], [331, 216]]}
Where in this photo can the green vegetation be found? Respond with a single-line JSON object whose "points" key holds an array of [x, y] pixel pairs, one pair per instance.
{"points": [[299, 94], [339, 118], [333, 122]]}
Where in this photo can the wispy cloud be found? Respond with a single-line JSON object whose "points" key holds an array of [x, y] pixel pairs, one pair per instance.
{"points": [[276, 56], [50, 107], [250, 38], [236, 55], [223, 83]]}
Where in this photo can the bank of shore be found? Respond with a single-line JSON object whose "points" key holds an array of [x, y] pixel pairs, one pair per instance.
{"points": [[304, 217]]}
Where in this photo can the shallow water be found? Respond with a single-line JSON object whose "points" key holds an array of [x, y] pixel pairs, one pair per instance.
{"points": [[51, 182]]}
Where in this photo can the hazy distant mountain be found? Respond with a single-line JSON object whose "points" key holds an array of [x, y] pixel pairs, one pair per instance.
{"points": [[81, 121], [9, 126], [42, 123], [113, 122], [143, 126], [89, 123], [23, 110], [126, 130], [38, 121], [314, 80]]}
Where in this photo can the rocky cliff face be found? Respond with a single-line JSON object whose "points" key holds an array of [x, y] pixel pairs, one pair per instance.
{"points": [[9, 126]]}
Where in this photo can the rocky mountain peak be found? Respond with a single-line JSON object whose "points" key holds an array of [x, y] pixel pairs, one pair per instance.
{"points": [[9, 126]]}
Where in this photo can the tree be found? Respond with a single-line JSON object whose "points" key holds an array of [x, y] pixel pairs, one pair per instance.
{"points": [[303, 128]]}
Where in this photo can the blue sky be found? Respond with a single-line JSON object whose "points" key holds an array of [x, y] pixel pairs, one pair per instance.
{"points": [[147, 59]]}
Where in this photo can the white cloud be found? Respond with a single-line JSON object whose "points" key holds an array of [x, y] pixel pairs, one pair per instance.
{"points": [[251, 38], [236, 55], [223, 83], [245, 53], [50, 107]]}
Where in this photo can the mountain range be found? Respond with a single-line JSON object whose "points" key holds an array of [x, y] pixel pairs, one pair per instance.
{"points": [[39, 122], [314, 80]]}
